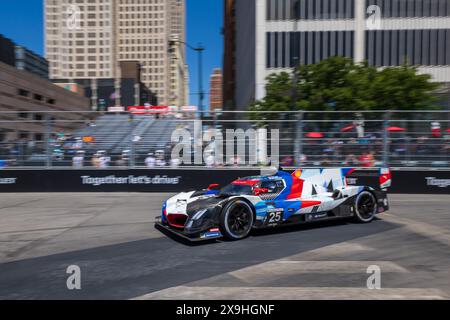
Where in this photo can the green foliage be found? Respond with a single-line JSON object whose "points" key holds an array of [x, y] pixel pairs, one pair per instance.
{"points": [[338, 84]]}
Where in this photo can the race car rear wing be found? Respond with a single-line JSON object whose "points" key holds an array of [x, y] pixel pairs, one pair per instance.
{"points": [[377, 178], [327, 179]]}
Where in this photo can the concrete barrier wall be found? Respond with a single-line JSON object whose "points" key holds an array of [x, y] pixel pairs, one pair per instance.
{"points": [[177, 180]]}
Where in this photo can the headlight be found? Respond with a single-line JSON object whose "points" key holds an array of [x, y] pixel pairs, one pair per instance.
{"points": [[199, 214]]}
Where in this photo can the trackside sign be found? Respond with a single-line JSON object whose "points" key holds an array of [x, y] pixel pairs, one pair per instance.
{"points": [[435, 182], [179, 180], [130, 180], [8, 180]]}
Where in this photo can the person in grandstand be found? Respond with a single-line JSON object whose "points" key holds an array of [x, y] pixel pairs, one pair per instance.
{"points": [[160, 158], [175, 162], [150, 161], [121, 162], [95, 161], [78, 160], [210, 160], [367, 160], [104, 160]]}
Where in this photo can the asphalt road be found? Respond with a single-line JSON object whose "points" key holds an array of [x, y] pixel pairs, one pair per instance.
{"points": [[121, 256]]}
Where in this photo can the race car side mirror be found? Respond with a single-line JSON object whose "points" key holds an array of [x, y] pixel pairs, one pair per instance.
{"points": [[213, 186], [259, 191]]}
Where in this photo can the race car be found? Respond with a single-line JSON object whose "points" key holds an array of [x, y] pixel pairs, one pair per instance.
{"points": [[283, 198]]}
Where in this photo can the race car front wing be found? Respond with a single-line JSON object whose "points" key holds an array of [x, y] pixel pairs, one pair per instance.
{"points": [[211, 234]]}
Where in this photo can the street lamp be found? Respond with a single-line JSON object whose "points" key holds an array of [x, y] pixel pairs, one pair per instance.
{"points": [[296, 57], [298, 130], [199, 49]]}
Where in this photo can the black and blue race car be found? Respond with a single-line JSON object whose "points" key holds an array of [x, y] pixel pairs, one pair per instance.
{"points": [[284, 198]]}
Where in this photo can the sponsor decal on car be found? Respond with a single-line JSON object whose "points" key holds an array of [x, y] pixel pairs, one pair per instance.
{"points": [[318, 216], [212, 233]]}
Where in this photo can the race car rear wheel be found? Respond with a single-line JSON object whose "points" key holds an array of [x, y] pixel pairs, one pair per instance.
{"points": [[236, 220], [365, 207]]}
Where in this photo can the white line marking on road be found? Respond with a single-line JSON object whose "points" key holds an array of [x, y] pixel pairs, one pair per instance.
{"points": [[267, 270], [289, 293], [427, 230]]}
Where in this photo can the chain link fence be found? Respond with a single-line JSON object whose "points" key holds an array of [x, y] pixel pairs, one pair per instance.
{"points": [[310, 139]]}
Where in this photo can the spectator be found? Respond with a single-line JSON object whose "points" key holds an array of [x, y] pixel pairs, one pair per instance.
{"points": [[160, 158], [351, 160], [31, 146], [78, 160], [160, 163], [287, 161], [168, 152], [175, 162], [150, 161], [121, 162], [210, 160], [303, 159], [235, 161], [104, 160], [326, 162], [367, 160], [96, 160]]}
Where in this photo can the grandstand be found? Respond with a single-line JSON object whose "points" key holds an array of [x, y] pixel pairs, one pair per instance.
{"points": [[419, 139], [115, 133]]}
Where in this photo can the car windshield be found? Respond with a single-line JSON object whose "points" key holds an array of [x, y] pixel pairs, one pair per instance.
{"points": [[236, 190]]}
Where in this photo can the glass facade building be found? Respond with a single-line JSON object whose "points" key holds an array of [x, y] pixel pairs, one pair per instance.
{"points": [[275, 35]]}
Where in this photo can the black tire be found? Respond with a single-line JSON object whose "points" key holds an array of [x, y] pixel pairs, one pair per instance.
{"points": [[366, 207], [236, 220]]}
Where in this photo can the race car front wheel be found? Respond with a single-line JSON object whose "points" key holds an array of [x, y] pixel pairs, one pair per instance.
{"points": [[365, 207], [236, 220]]}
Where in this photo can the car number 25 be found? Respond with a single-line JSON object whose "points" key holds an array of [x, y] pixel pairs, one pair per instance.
{"points": [[274, 216]]}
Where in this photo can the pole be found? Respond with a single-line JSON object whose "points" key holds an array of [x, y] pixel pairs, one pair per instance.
{"points": [[48, 129], [132, 162], [200, 50], [298, 148], [298, 129], [386, 139]]}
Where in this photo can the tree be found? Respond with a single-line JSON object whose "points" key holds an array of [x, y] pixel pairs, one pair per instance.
{"points": [[278, 97], [402, 88], [338, 84]]}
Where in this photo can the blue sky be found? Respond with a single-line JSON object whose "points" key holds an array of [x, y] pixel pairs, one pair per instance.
{"points": [[22, 21]]}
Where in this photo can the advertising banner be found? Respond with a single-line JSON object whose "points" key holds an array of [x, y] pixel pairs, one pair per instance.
{"points": [[177, 180]]}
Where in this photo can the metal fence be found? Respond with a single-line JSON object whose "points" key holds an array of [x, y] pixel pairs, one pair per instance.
{"points": [[313, 139]]}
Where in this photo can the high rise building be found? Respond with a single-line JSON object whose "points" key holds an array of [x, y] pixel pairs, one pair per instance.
{"points": [[179, 76], [22, 58], [179, 72], [267, 36], [229, 61], [216, 89], [7, 51], [29, 61], [87, 39]]}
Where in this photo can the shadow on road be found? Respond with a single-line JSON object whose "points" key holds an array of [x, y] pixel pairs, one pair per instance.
{"points": [[132, 269], [262, 232]]}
